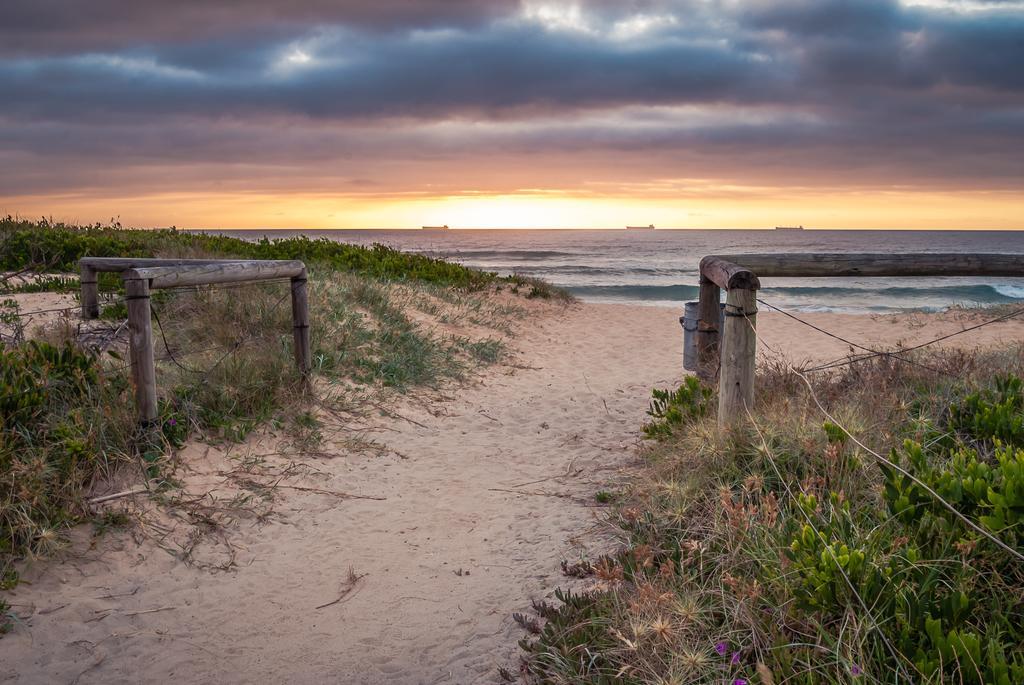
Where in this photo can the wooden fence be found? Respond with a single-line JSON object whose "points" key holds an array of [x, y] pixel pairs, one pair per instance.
{"points": [[141, 276], [730, 353]]}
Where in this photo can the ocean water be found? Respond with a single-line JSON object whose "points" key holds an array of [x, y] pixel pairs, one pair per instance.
{"points": [[659, 268]]}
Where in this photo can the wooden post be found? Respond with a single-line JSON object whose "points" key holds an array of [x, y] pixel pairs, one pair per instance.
{"points": [[140, 331], [708, 335], [90, 290], [300, 323], [739, 347]]}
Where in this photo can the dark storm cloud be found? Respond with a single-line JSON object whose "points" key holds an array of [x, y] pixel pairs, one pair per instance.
{"points": [[843, 18], [987, 51], [789, 51], [861, 84], [40, 27], [352, 76]]}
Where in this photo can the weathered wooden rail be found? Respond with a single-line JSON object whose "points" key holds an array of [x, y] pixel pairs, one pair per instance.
{"points": [[731, 353], [141, 276]]}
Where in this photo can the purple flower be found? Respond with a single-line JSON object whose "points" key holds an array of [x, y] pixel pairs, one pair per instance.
{"points": [[721, 648], [172, 422], [739, 681], [855, 670], [735, 658]]}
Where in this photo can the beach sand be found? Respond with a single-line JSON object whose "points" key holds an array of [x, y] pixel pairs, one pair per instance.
{"points": [[486, 489]]}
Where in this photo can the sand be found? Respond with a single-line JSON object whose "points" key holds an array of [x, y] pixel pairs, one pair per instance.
{"points": [[485, 492]]}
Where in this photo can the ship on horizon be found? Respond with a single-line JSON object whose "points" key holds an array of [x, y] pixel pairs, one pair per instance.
{"points": [[435, 228], [789, 228], [649, 227]]}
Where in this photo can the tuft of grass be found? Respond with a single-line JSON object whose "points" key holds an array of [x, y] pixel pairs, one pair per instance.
{"points": [[784, 551], [7, 617], [535, 288], [487, 351], [111, 519]]}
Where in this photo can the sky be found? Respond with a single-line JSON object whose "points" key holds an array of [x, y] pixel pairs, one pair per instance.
{"points": [[509, 113]]}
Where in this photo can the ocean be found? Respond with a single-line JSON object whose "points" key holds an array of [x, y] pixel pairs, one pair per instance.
{"points": [[659, 268]]}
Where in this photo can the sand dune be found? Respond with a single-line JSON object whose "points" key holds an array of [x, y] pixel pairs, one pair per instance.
{"points": [[485, 492]]}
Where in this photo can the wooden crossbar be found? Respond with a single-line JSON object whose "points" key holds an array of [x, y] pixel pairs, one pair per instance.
{"points": [[141, 276], [730, 354]]}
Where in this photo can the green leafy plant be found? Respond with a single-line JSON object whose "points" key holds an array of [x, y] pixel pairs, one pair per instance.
{"points": [[993, 414], [670, 409]]}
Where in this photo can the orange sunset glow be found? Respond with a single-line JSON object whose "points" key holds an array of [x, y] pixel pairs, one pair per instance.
{"points": [[866, 210]]}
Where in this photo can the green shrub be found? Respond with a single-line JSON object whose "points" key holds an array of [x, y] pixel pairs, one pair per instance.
{"points": [[61, 421], [670, 409], [993, 414], [44, 284], [54, 246]]}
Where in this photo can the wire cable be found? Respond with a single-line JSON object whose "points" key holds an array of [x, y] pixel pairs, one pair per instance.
{"points": [[873, 353], [202, 372]]}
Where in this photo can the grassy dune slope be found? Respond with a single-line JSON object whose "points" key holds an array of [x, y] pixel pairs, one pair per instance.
{"points": [[383, 322]]}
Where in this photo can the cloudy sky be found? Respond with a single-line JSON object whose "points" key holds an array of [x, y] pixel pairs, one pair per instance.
{"points": [[490, 113]]}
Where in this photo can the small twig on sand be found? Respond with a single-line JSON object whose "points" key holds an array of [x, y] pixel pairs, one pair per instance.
{"points": [[99, 616], [353, 580], [149, 611], [6, 277], [118, 495], [121, 594], [394, 415], [525, 367], [526, 492], [343, 495], [423, 599], [568, 472], [43, 612]]}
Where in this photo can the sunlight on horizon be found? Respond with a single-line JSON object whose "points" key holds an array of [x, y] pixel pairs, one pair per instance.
{"points": [[835, 210]]}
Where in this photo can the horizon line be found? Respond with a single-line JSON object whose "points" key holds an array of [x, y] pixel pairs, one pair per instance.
{"points": [[579, 228]]}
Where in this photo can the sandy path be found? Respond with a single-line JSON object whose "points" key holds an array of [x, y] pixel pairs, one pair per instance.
{"points": [[575, 405]]}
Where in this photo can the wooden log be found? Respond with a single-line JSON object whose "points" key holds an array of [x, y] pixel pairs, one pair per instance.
{"points": [[221, 272], [90, 291], [872, 264], [739, 347], [119, 264], [300, 323], [728, 275], [140, 333], [708, 336]]}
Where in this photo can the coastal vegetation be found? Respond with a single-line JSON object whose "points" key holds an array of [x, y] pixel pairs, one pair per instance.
{"points": [[383, 322], [864, 526]]}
